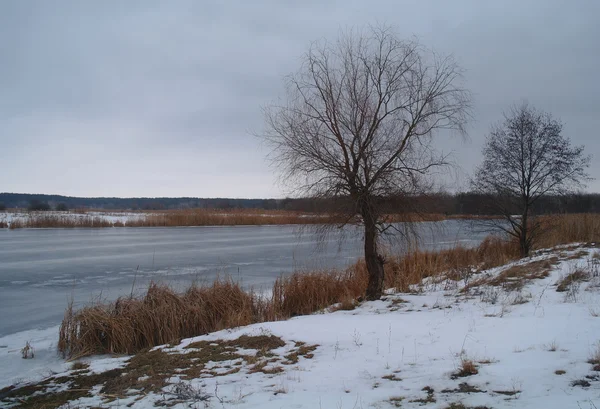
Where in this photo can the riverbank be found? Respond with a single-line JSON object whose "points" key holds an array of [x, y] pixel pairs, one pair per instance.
{"points": [[524, 334], [17, 219]]}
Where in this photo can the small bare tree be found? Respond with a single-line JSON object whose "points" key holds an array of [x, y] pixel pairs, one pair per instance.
{"points": [[525, 158], [357, 122]]}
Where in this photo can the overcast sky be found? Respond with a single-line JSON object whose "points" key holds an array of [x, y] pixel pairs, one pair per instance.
{"points": [[149, 98]]}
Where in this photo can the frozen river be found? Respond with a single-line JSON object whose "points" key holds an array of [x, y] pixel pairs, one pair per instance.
{"points": [[40, 269]]}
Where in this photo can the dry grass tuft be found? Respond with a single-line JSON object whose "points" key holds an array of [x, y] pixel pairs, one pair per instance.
{"points": [[576, 276], [467, 368], [27, 352]]}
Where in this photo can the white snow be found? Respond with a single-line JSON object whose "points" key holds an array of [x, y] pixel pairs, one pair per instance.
{"points": [[418, 343], [16, 370]]}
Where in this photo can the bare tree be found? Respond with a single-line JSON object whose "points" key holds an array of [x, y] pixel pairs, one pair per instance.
{"points": [[357, 122], [526, 157]]}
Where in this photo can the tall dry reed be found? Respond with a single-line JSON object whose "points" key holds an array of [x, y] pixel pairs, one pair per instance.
{"points": [[304, 293], [569, 228], [216, 217], [161, 316], [59, 221]]}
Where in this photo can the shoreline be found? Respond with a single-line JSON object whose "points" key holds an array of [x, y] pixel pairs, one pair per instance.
{"points": [[17, 219], [320, 359]]}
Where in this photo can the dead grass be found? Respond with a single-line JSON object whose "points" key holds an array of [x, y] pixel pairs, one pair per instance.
{"points": [[172, 218], [300, 350], [515, 277], [464, 387], [150, 371], [305, 293], [41, 220], [430, 398], [569, 228], [221, 217], [456, 263], [552, 346], [595, 355], [576, 276], [161, 316], [467, 368], [460, 405]]}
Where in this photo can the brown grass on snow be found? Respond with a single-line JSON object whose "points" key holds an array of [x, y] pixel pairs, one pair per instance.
{"points": [[402, 272], [163, 316]]}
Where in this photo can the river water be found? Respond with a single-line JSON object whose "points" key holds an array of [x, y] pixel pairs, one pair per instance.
{"points": [[41, 269]]}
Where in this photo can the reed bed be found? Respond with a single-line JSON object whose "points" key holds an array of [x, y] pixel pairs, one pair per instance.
{"points": [[305, 293], [62, 221], [215, 217], [176, 218], [569, 228], [404, 271], [200, 217], [162, 315]]}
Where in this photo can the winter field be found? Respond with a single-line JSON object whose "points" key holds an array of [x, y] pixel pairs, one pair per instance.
{"points": [[524, 335]]}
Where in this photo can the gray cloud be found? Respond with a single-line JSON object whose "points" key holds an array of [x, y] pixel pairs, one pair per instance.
{"points": [[157, 98]]}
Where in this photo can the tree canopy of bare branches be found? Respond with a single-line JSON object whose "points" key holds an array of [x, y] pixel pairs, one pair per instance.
{"points": [[526, 157], [357, 122]]}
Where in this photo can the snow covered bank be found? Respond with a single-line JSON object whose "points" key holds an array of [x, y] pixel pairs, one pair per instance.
{"points": [[71, 217], [529, 343]]}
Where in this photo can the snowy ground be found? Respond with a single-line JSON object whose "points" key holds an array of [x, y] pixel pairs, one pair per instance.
{"points": [[529, 343], [7, 217]]}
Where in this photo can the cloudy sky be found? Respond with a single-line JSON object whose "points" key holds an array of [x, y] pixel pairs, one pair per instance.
{"points": [[160, 98]]}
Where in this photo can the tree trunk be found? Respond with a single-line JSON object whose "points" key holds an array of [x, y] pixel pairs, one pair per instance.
{"points": [[523, 237], [373, 260]]}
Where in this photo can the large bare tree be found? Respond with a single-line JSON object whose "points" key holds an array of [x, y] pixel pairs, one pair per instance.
{"points": [[526, 157], [357, 122]]}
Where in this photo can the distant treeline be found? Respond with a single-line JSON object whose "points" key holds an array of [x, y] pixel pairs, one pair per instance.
{"points": [[442, 203]]}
